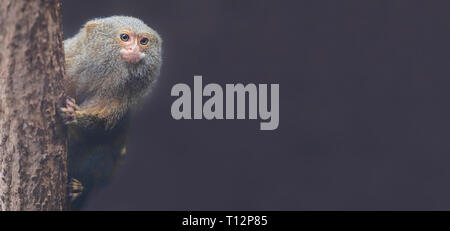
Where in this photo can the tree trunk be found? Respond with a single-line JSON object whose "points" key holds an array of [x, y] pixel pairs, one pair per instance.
{"points": [[33, 171]]}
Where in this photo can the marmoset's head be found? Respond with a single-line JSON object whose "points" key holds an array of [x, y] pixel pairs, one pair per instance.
{"points": [[124, 39]]}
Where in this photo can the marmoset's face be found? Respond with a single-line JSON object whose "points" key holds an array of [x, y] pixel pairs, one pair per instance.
{"points": [[134, 45]]}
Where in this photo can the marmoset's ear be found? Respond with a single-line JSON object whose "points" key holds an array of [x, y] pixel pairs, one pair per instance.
{"points": [[90, 26]]}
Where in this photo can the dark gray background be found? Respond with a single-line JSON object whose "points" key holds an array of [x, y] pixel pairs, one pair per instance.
{"points": [[364, 116]]}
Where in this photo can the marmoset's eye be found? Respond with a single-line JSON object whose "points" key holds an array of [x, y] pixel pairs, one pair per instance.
{"points": [[144, 41], [124, 37]]}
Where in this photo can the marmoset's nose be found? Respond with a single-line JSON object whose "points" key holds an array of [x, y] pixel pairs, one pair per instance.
{"points": [[131, 54], [131, 48]]}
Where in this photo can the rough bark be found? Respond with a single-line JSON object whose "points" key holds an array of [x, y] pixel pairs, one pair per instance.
{"points": [[33, 172]]}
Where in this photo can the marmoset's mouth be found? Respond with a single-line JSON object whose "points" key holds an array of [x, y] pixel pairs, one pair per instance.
{"points": [[131, 56]]}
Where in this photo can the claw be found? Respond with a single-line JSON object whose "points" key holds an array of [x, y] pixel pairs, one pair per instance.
{"points": [[68, 112], [75, 188], [70, 103]]}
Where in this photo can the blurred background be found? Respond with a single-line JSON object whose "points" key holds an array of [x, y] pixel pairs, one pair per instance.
{"points": [[364, 116]]}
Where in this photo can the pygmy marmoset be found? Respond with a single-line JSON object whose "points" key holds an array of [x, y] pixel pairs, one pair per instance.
{"points": [[111, 64]]}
